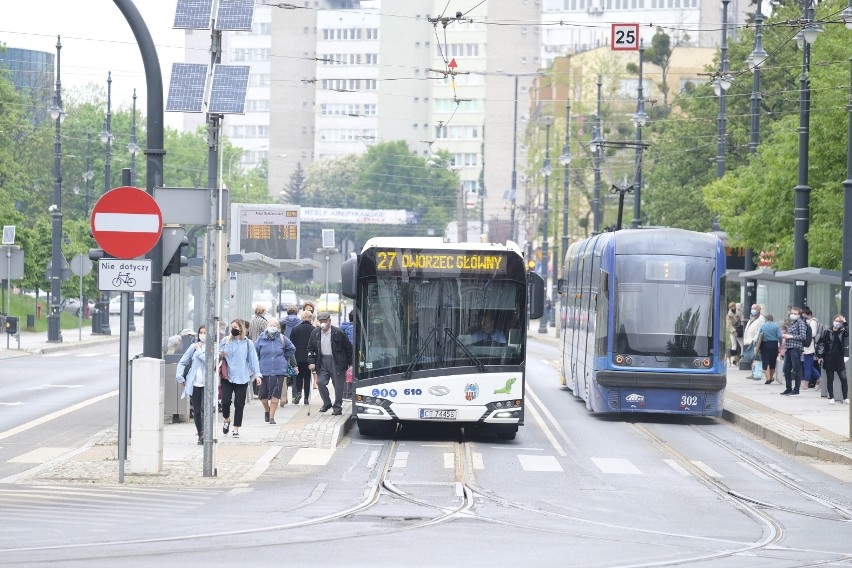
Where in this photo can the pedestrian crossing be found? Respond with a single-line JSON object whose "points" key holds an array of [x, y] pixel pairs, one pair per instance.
{"points": [[526, 461], [94, 508]]}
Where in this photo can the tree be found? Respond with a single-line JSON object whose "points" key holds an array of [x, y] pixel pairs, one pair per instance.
{"points": [[294, 192]]}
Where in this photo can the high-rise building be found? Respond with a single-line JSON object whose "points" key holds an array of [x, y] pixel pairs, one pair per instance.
{"points": [[32, 73]]}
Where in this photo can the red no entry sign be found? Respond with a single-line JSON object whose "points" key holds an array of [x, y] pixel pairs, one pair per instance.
{"points": [[126, 222]]}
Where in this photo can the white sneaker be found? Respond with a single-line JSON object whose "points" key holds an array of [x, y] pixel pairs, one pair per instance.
{"points": [[831, 401], [846, 401]]}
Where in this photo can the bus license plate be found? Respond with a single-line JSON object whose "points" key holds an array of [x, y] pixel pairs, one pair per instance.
{"points": [[433, 414]]}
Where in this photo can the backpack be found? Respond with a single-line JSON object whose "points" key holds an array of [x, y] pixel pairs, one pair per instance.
{"points": [[809, 335]]}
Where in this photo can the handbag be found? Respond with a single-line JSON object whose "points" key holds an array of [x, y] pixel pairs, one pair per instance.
{"points": [[748, 353], [349, 375], [223, 369], [757, 370], [738, 328]]}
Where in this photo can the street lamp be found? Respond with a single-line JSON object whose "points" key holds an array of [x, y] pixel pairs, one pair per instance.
{"points": [[801, 210], [133, 147], [597, 150], [721, 84], [846, 261], [106, 138], [639, 119], [57, 114], [546, 170], [565, 161]]}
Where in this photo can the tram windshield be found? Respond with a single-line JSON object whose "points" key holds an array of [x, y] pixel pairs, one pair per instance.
{"points": [[664, 306], [408, 325]]}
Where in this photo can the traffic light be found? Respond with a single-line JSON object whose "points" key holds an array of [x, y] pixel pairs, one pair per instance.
{"points": [[178, 260]]}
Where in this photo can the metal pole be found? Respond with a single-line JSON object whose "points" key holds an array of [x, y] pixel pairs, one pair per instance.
{"points": [[54, 333], [133, 147], [514, 193], [126, 175], [107, 138], [596, 196], [750, 283], [722, 119], [153, 338], [89, 175], [640, 122], [545, 259], [210, 320], [801, 212], [566, 183], [846, 261], [123, 351]]}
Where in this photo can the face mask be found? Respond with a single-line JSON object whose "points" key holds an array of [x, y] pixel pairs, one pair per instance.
{"points": [[271, 330], [202, 337], [794, 317], [753, 313], [235, 332], [837, 325]]}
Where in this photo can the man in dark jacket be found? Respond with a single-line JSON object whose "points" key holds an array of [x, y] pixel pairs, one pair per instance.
{"points": [[300, 336], [330, 354]]}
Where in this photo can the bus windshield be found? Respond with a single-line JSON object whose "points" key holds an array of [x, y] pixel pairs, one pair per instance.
{"points": [[664, 306], [407, 325]]}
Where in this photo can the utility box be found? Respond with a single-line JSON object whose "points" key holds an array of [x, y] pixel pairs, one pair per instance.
{"points": [[176, 408]]}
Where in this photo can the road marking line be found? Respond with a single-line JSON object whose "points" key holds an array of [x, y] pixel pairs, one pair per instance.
{"points": [[539, 463], [400, 459], [753, 470], [553, 441], [39, 455], [311, 456], [616, 465], [676, 466], [88, 355], [706, 468], [43, 387], [11, 403], [477, 461], [449, 460], [57, 414], [550, 417]]}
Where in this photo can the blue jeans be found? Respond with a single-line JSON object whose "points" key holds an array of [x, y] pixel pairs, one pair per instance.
{"points": [[793, 368], [810, 372]]}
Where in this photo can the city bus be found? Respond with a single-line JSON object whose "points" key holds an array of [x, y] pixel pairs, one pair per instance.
{"points": [[440, 333], [643, 315]]}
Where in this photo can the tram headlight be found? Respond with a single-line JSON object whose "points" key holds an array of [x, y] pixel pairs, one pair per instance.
{"points": [[619, 359], [706, 362]]}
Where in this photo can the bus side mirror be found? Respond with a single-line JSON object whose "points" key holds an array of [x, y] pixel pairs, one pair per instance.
{"points": [[536, 295], [349, 277]]}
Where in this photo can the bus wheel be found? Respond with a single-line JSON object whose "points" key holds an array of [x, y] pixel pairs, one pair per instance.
{"points": [[374, 427], [506, 432]]}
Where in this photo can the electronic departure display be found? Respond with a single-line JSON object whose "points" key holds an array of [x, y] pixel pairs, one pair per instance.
{"points": [[269, 230], [436, 262]]}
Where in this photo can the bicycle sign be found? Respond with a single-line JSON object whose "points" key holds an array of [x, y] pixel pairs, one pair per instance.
{"points": [[625, 37], [124, 275]]}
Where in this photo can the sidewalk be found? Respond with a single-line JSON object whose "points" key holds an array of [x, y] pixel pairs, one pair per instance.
{"points": [[801, 425], [73, 338]]}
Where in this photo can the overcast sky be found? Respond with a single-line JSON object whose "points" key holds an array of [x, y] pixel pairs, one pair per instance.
{"points": [[95, 39]]}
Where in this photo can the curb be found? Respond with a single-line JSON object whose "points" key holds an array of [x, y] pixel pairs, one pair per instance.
{"points": [[341, 430]]}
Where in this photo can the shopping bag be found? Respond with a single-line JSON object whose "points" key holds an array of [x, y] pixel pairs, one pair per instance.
{"points": [[349, 375], [757, 370], [748, 353]]}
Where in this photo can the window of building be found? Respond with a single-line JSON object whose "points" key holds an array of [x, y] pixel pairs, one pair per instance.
{"points": [[372, 33], [371, 58]]}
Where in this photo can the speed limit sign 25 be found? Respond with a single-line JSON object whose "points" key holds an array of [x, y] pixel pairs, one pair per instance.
{"points": [[625, 37]]}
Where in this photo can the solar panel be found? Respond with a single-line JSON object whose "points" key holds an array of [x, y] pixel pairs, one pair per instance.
{"points": [[234, 15], [186, 87], [193, 14], [228, 93]]}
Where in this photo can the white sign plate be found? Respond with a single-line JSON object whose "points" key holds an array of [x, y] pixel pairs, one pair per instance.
{"points": [[116, 274], [625, 37]]}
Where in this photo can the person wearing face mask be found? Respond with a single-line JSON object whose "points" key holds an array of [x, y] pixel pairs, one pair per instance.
{"points": [[330, 354], [755, 320], [241, 356], [734, 325], [795, 337], [273, 352], [194, 380], [829, 350]]}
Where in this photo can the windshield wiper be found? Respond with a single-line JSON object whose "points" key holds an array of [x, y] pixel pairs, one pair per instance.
{"points": [[479, 364], [420, 351]]}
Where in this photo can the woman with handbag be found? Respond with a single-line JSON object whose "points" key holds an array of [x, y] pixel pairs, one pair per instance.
{"points": [[273, 351], [191, 373], [238, 355]]}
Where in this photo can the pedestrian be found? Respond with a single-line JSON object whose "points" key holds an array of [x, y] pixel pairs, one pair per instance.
{"points": [[809, 367], [795, 337], [830, 353], [193, 379], [241, 357], [756, 320], [734, 326], [291, 320], [770, 336], [348, 328], [300, 336], [273, 352], [330, 354], [258, 322]]}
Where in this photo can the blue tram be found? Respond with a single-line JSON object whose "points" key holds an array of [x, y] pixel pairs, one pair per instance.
{"points": [[643, 322]]}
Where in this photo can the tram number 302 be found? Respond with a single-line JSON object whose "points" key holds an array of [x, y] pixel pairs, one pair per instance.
{"points": [[688, 400]]}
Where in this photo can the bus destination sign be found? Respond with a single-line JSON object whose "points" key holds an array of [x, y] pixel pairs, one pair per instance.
{"points": [[449, 262]]}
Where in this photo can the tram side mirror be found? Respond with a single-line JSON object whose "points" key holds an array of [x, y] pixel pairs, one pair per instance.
{"points": [[349, 277], [536, 295]]}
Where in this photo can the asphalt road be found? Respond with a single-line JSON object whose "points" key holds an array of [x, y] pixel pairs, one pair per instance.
{"points": [[572, 489]]}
